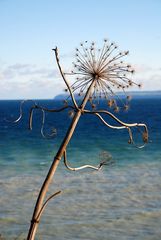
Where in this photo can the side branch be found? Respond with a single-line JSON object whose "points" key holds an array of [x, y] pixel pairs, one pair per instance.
{"points": [[82, 167], [117, 120], [107, 124], [45, 203], [123, 126], [36, 106], [65, 80], [21, 110], [43, 110]]}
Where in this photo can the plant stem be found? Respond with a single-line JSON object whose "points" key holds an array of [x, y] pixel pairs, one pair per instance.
{"points": [[39, 203]]}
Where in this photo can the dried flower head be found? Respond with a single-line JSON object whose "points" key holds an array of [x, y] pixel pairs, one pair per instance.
{"points": [[71, 113], [103, 66], [145, 136]]}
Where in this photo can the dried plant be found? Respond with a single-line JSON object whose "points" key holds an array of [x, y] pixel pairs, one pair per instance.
{"points": [[99, 73], [107, 69]]}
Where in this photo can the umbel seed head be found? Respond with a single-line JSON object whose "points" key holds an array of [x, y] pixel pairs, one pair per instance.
{"points": [[105, 67]]}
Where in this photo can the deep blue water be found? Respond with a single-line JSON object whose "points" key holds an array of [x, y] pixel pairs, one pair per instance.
{"points": [[122, 201]]}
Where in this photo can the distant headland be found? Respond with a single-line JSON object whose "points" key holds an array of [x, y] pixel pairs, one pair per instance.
{"points": [[136, 94]]}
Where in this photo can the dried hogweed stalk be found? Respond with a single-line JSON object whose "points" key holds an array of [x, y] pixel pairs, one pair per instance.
{"points": [[99, 74]]}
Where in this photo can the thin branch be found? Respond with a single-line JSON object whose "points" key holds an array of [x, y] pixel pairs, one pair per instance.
{"points": [[43, 110], [131, 141], [31, 117], [118, 120], [46, 202], [107, 124], [54, 110], [35, 106], [42, 127], [82, 167], [21, 110], [65, 80], [124, 125]]}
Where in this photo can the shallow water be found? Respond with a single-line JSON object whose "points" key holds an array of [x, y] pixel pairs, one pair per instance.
{"points": [[122, 201]]}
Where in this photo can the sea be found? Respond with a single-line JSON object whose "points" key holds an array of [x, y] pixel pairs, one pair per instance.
{"points": [[120, 201]]}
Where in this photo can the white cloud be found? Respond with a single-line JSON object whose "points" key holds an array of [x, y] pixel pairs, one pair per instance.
{"points": [[150, 77], [152, 82], [32, 81], [19, 66], [142, 68], [28, 70], [29, 81]]}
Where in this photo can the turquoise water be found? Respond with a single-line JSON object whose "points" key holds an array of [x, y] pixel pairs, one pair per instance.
{"points": [[122, 201]]}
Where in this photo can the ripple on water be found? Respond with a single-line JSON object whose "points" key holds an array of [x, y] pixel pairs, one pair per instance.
{"points": [[122, 203]]}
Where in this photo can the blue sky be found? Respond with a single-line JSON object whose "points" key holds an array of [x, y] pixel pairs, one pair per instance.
{"points": [[30, 29]]}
